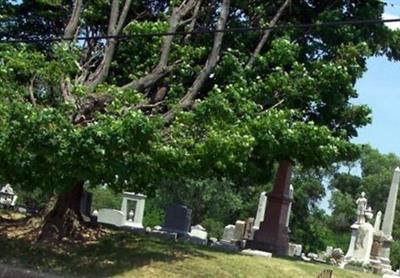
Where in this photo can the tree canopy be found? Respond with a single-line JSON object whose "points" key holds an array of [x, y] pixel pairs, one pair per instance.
{"points": [[136, 113]]}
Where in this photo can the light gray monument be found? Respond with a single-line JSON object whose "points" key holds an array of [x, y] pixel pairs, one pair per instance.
{"points": [[378, 221], [229, 233], [362, 235], [262, 204], [388, 220], [240, 227], [128, 216], [291, 192], [198, 235]]}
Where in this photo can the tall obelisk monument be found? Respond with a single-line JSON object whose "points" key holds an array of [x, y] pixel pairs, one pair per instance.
{"points": [[388, 219]]}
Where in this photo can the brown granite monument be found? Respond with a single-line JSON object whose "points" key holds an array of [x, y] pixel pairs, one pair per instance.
{"points": [[273, 233]]}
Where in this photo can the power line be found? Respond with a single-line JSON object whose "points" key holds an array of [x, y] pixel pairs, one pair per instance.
{"points": [[205, 31]]}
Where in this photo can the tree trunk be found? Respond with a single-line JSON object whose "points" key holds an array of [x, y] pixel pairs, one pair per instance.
{"points": [[62, 217]]}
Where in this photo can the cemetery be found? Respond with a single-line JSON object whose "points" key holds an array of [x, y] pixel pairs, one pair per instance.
{"points": [[368, 250], [195, 138]]}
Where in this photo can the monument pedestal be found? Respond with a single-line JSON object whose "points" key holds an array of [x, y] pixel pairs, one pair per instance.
{"points": [[273, 233], [384, 255]]}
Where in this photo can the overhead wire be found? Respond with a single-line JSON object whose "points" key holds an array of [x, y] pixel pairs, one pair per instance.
{"points": [[203, 31]]}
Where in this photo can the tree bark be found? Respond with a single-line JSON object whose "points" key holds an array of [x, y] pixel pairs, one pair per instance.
{"points": [[72, 24], [117, 21], [62, 217], [162, 68], [213, 58]]}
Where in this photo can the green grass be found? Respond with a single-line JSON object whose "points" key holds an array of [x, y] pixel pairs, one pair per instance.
{"points": [[127, 255]]}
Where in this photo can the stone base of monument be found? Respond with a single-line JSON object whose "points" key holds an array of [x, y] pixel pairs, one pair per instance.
{"points": [[225, 246], [256, 253], [277, 246]]}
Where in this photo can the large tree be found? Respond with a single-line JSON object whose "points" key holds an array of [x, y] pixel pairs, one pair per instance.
{"points": [[137, 112]]}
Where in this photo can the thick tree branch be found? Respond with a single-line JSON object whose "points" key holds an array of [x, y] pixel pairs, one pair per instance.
{"points": [[267, 33], [117, 20], [213, 58], [149, 79], [72, 25], [162, 68], [193, 20]]}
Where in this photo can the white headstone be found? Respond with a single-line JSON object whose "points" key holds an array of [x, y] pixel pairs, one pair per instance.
{"points": [[112, 217], [138, 212], [229, 233], [378, 221], [199, 234], [262, 204], [291, 191], [328, 251]]}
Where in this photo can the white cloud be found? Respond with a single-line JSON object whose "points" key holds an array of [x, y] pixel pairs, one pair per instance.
{"points": [[391, 25]]}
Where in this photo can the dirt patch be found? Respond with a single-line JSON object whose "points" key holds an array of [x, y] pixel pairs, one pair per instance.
{"points": [[19, 226]]}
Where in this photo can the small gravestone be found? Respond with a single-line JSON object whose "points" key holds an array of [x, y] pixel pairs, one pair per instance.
{"points": [[239, 230], [198, 235], [177, 219], [248, 232], [229, 233], [291, 249]]}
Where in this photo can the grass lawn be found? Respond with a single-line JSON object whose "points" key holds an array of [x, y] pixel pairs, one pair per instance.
{"points": [[122, 254]]}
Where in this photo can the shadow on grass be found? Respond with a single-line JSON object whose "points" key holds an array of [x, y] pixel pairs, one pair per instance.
{"points": [[113, 254]]}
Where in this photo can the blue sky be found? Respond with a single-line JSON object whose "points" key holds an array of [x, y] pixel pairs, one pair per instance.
{"points": [[379, 88]]}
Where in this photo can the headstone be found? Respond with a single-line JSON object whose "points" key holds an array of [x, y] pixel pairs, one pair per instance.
{"points": [[298, 250], [248, 233], [262, 204], [378, 221], [229, 233], [198, 235], [273, 233], [305, 258], [291, 250], [239, 230], [123, 217], [291, 192], [328, 251], [294, 250], [138, 201], [177, 219], [112, 217], [312, 256]]}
